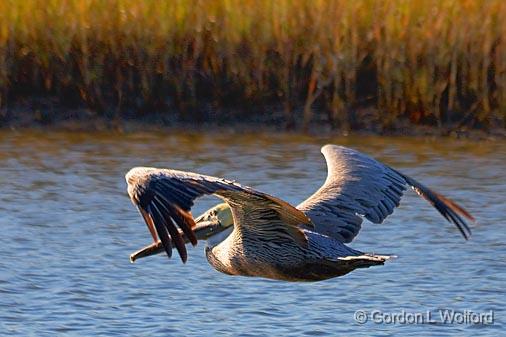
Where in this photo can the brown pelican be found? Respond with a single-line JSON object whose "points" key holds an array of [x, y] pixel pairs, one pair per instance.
{"points": [[269, 237]]}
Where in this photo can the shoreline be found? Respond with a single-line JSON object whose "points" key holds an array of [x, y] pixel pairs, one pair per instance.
{"points": [[269, 121]]}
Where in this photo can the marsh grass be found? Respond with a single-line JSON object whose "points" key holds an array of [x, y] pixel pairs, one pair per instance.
{"points": [[430, 62]]}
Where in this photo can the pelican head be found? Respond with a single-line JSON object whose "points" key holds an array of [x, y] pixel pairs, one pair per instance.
{"points": [[220, 224], [214, 221]]}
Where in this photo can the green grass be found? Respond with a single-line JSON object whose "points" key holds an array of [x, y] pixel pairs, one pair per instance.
{"points": [[430, 62]]}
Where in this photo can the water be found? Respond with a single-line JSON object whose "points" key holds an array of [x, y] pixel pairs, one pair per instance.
{"points": [[68, 227]]}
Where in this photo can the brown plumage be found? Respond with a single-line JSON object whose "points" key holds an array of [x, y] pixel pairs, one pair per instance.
{"points": [[271, 238]]}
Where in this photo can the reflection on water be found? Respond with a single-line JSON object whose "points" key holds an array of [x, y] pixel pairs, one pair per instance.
{"points": [[68, 227]]}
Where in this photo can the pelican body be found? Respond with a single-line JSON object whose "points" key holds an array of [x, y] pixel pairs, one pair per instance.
{"points": [[264, 236]]}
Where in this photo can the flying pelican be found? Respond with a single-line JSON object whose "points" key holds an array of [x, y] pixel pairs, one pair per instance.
{"points": [[269, 237]]}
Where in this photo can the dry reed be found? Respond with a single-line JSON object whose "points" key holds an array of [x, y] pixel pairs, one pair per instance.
{"points": [[432, 62]]}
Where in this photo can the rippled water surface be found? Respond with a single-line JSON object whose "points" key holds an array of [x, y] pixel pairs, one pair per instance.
{"points": [[68, 227]]}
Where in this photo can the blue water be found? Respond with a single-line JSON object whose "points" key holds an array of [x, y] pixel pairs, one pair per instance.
{"points": [[68, 227]]}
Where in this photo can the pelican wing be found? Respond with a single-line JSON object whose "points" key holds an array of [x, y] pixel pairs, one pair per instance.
{"points": [[164, 198], [359, 186]]}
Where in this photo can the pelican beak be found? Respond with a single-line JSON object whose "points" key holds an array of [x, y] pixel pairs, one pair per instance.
{"points": [[152, 249], [203, 230]]}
